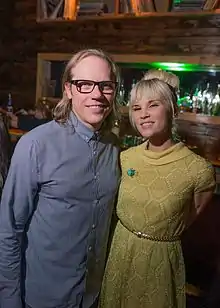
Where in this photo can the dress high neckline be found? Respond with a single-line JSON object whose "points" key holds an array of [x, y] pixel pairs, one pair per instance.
{"points": [[173, 153]]}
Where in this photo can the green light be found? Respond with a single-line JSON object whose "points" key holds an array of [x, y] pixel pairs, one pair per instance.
{"points": [[172, 66], [169, 66]]}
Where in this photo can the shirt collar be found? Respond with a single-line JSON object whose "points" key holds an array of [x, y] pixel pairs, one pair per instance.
{"points": [[81, 129]]}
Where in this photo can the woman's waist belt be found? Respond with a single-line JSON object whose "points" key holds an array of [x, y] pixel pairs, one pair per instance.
{"points": [[152, 237]]}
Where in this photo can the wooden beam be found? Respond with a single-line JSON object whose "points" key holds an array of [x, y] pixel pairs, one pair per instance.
{"points": [[43, 74], [145, 58]]}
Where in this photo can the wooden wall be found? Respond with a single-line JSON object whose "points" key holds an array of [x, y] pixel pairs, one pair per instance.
{"points": [[204, 136], [23, 38], [6, 17]]}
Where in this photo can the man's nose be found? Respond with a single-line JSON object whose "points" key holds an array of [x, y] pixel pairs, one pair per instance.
{"points": [[96, 91]]}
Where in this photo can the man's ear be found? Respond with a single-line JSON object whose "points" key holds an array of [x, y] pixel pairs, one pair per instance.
{"points": [[67, 87]]}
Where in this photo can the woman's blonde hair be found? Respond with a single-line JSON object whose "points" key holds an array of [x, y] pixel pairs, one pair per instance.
{"points": [[155, 88], [165, 76], [64, 107]]}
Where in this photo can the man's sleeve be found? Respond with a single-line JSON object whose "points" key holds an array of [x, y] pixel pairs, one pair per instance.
{"points": [[16, 207]]}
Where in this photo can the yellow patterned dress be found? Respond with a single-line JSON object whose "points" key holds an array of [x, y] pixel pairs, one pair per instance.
{"points": [[147, 271]]}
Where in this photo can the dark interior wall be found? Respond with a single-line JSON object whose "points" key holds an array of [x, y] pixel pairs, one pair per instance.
{"points": [[22, 38], [6, 17]]}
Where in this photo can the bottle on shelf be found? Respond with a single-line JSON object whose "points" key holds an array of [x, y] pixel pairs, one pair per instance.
{"points": [[122, 95], [215, 110], [132, 85], [9, 104], [185, 103], [207, 97], [197, 100]]}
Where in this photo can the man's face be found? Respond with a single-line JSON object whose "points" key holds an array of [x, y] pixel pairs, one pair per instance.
{"points": [[91, 103]]}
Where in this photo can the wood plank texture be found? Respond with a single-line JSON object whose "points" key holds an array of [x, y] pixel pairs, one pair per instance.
{"points": [[172, 35]]}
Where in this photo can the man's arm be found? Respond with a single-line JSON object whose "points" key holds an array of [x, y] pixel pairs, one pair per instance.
{"points": [[16, 207]]}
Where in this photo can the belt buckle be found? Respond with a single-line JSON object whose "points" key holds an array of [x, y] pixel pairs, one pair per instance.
{"points": [[139, 234]]}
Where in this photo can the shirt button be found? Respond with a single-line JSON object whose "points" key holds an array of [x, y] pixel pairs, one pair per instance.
{"points": [[93, 226], [90, 248], [95, 177], [94, 152]]}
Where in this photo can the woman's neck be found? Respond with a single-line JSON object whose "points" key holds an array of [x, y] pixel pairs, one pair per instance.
{"points": [[159, 145]]}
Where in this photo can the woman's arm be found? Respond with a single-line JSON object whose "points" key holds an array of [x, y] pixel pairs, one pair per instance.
{"points": [[201, 200], [204, 189]]}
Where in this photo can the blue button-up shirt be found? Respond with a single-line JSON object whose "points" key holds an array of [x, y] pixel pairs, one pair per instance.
{"points": [[60, 190]]}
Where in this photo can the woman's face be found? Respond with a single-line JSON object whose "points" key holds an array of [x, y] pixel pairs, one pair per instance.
{"points": [[151, 117]]}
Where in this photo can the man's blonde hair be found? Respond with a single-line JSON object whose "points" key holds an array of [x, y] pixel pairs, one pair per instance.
{"points": [[64, 107]]}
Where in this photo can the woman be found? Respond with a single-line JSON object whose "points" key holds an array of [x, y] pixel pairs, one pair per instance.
{"points": [[164, 187]]}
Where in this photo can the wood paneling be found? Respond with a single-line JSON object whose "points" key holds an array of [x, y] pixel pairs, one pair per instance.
{"points": [[6, 16], [172, 35], [201, 131], [206, 137]]}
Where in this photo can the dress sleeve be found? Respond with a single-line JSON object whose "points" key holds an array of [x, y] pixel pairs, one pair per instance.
{"points": [[205, 179]]}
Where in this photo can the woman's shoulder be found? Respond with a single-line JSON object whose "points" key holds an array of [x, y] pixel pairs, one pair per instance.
{"points": [[201, 170], [131, 153], [131, 158], [198, 162]]}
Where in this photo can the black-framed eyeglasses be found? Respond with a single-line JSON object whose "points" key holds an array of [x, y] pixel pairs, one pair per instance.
{"points": [[87, 86]]}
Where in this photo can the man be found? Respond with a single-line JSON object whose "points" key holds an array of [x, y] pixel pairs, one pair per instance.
{"points": [[58, 198]]}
